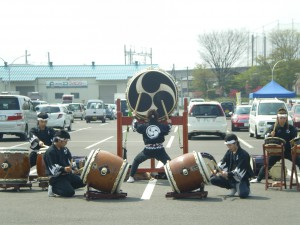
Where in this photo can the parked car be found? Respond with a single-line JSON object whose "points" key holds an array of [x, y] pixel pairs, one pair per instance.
{"points": [[206, 118], [240, 117], [70, 111], [111, 112], [38, 102], [59, 116], [95, 111], [263, 115], [17, 116], [295, 115], [78, 110], [227, 108]]}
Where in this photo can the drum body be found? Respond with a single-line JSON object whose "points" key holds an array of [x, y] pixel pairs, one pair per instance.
{"points": [[153, 86], [104, 171], [40, 165], [14, 165], [187, 172]]}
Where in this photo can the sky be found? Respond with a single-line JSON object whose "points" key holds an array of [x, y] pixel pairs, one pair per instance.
{"points": [[77, 32]]}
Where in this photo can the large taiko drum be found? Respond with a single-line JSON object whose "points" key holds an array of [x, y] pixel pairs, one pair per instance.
{"points": [[150, 89], [14, 166], [104, 171], [256, 162], [187, 172], [274, 141]]}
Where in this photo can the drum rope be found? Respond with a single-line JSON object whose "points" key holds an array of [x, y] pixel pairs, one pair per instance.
{"points": [[125, 143]]}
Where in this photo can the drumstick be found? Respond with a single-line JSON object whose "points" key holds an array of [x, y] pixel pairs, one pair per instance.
{"points": [[215, 164], [275, 126], [163, 104], [210, 168], [138, 102]]}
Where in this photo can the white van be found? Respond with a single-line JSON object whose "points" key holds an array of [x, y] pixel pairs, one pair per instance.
{"points": [[95, 110], [263, 114], [17, 116]]}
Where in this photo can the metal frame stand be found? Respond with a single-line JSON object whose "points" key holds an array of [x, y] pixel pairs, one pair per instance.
{"points": [[16, 186], [176, 120], [295, 152], [94, 194]]}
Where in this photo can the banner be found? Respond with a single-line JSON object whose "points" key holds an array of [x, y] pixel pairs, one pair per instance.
{"points": [[238, 98]]}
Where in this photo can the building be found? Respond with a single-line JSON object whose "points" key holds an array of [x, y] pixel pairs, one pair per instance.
{"points": [[83, 81]]}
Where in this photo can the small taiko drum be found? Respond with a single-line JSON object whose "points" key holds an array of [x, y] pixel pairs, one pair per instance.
{"points": [[40, 165], [14, 166], [256, 162], [104, 171], [272, 144], [210, 162], [187, 172]]}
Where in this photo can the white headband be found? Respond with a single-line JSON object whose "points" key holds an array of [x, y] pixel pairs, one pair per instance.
{"points": [[282, 115], [42, 119], [229, 142]]}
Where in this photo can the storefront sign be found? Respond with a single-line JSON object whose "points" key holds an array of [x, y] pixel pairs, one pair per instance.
{"points": [[66, 84]]}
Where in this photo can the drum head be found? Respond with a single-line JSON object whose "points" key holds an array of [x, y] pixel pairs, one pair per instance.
{"points": [[202, 167], [88, 164], [153, 86]]}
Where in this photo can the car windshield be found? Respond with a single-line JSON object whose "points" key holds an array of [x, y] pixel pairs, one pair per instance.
{"points": [[74, 107], [269, 108], [49, 109], [242, 110], [297, 109]]}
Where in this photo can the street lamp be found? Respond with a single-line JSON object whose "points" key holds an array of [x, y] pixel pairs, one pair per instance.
{"points": [[274, 67], [9, 65]]}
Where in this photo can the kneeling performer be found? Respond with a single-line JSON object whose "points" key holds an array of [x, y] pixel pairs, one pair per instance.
{"points": [[235, 169]]}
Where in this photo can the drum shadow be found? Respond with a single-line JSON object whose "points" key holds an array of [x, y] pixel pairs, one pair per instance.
{"points": [[207, 199], [252, 197]]}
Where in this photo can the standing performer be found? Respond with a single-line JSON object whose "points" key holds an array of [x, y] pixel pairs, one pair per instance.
{"points": [[153, 135], [284, 131], [58, 161], [40, 137], [235, 169]]}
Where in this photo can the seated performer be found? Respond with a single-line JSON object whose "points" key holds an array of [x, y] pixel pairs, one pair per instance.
{"points": [[235, 169], [153, 135], [282, 130], [40, 136], [59, 166]]}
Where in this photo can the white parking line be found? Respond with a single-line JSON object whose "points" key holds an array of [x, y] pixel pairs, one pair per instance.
{"points": [[19, 145], [90, 146], [80, 129], [175, 129], [245, 143], [149, 189], [170, 142]]}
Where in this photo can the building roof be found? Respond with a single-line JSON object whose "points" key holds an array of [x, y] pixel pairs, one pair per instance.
{"points": [[99, 72]]}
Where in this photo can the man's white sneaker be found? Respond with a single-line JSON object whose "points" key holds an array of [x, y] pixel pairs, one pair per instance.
{"points": [[130, 180], [50, 193], [232, 192], [254, 181]]}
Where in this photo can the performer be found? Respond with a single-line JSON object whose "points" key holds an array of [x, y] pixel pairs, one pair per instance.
{"points": [[59, 166], [40, 136], [235, 169], [282, 130], [153, 135]]}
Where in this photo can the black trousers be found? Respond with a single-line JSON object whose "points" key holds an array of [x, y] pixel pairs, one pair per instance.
{"points": [[32, 158], [65, 185], [243, 187]]}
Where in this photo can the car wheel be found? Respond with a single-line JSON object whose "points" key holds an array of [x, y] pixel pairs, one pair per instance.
{"points": [[70, 127], [1, 136], [256, 136], [82, 118], [233, 128], [222, 136], [25, 135], [190, 137], [103, 120], [64, 126]]}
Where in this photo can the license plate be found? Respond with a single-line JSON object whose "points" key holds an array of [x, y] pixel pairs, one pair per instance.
{"points": [[2, 117], [246, 124], [94, 117]]}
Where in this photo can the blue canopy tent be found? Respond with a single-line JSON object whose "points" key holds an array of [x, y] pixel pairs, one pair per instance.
{"points": [[272, 90]]}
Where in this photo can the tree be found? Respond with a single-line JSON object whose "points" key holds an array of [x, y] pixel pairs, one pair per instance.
{"points": [[286, 44], [222, 50], [203, 79]]}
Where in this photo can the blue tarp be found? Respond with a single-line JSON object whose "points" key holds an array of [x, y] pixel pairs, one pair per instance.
{"points": [[272, 90]]}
